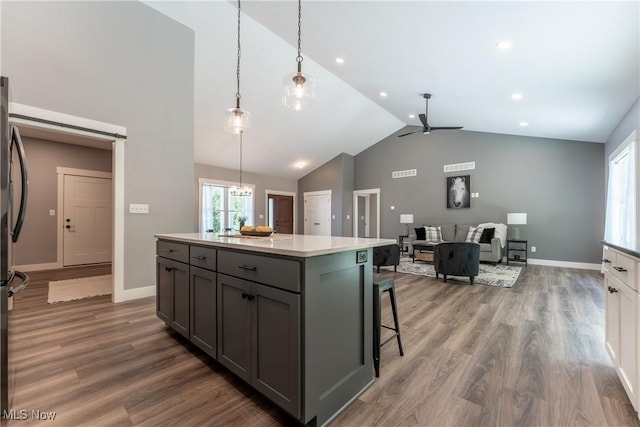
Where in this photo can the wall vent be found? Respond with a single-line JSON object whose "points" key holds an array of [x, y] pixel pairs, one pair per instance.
{"points": [[460, 167], [404, 174]]}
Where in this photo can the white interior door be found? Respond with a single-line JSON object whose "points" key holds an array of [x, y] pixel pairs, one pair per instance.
{"points": [[317, 213], [87, 220]]}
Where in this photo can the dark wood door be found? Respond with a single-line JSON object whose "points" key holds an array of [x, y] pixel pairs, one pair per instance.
{"points": [[282, 213]]}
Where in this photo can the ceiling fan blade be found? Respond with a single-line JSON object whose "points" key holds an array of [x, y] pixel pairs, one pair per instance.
{"points": [[445, 127], [405, 134], [423, 119]]}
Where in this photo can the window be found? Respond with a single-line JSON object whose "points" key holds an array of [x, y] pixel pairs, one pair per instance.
{"points": [[219, 210], [620, 224]]}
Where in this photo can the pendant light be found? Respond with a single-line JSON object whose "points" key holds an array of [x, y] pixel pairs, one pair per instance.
{"points": [[240, 190], [299, 89], [237, 120]]}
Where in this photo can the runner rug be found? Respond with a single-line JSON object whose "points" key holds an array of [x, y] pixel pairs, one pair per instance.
{"points": [[85, 287]]}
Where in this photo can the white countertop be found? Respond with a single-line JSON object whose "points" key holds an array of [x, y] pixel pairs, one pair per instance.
{"points": [[297, 245]]}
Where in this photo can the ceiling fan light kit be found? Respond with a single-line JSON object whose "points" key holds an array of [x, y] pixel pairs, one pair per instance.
{"points": [[426, 128], [299, 89]]}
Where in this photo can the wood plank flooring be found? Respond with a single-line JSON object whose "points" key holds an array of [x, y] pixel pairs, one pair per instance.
{"points": [[475, 355]]}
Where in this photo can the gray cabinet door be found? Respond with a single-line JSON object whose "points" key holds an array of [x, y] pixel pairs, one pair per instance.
{"points": [[234, 325], [203, 310], [181, 300], [164, 289], [172, 299], [276, 345]]}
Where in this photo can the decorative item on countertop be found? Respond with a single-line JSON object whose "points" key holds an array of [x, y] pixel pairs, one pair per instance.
{"points": [[237, 120], [299, 89], [516, 219], [260, 230]]}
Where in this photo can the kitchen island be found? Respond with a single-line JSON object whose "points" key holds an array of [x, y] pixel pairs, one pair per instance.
{"points": [[289, 314]]}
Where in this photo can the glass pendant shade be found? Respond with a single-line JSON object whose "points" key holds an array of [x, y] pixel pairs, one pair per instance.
{"points": [[237, 120], [298, 91]]}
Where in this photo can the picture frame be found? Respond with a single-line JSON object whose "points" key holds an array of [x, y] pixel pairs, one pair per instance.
{"points": [[458, 191]]}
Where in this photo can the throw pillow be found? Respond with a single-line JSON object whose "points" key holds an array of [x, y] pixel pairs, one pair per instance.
{"points": [[420, 233], [487, 235], [474, 234], [433, 234]]}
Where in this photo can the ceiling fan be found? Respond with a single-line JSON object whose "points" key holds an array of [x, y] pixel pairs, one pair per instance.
{"points": [[426, 129]]}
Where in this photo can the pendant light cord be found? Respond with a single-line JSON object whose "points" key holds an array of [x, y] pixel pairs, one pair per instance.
{"points": [[241, 188], [299, 58], [238, 63]]}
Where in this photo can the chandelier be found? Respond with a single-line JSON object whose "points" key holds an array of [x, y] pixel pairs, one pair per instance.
{"points": [[237, 120], [299, 89]]}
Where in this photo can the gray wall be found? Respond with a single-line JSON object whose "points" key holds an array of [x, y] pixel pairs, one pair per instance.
{"points": [[336, 175], [121, 63], [262, 183], [629, 123], [38, 241], [559, 184]]}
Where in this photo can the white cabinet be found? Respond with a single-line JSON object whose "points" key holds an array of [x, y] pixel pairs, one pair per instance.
{"points": [[621, 318]]}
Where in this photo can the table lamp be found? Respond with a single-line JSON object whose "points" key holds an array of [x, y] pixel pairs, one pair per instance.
{"points": [[516, 219], [406, 219]]}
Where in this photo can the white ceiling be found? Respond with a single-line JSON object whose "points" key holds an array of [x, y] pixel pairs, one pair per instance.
{"points": [[576, 64]]}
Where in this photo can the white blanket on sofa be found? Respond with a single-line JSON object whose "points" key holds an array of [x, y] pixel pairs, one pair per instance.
{"points": [[501, 231]]}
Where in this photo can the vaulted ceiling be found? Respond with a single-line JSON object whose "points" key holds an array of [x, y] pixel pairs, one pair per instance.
{"points": [[576, 65]]}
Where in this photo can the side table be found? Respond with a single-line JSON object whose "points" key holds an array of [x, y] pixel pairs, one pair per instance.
{"points": [[404, 246], [517, 251]]}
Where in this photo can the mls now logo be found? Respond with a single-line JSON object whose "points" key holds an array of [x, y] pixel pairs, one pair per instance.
{"points": [[23, 414]]}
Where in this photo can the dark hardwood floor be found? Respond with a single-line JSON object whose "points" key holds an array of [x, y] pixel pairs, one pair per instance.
{"points": [[532, 355]]}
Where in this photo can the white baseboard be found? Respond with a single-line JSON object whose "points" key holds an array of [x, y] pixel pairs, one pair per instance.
{"points": [[131, 294], [38, 267], [566, 264]]}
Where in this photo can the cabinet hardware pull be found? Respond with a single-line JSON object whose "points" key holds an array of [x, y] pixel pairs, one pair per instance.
{"points": [[168, 269], [620, 269], [250, 297], [606, 260], [247, 267], [200, 257], [612, 290], [244, 295], [169, 250]]}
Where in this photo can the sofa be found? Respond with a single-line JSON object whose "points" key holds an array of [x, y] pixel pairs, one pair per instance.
{"points": [[491, 237]]}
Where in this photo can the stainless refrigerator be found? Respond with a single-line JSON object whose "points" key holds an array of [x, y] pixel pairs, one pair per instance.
{"points": [[13, 180]]}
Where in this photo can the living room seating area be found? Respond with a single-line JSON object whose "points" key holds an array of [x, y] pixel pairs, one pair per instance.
{"points": [[491, 237]]}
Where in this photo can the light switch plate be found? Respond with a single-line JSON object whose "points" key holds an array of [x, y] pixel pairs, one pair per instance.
{"points": [[138, 208]]}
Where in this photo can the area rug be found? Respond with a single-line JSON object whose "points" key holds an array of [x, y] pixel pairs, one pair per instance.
{"points": [[503, 276], [73, 289]]}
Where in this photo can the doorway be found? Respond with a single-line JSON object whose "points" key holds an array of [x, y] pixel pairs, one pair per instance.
{"points": [[54, 126], [280, 209], [317, 213], [366, 213], [85, 226]]}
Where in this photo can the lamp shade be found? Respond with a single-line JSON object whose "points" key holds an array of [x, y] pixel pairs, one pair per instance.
{"points": [[516, 218], [406, 218]]}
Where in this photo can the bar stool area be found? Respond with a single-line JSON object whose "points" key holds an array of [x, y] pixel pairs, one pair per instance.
{"points": [[383, 285]]}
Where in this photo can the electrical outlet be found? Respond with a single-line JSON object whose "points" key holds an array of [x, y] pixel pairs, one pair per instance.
{"points": [[52, 212], [533, 248], [138, 208]]}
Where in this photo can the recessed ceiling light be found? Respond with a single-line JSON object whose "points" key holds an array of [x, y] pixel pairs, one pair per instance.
{"points": [[516, 96], [300, 165], [383, 94], [412, 116], [504, 44], [524, 124], [340, 60]]}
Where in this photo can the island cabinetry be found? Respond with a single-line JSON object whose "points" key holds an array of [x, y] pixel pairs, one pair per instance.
{"points": [[172, 281], [621, 318], [259, 326]]}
